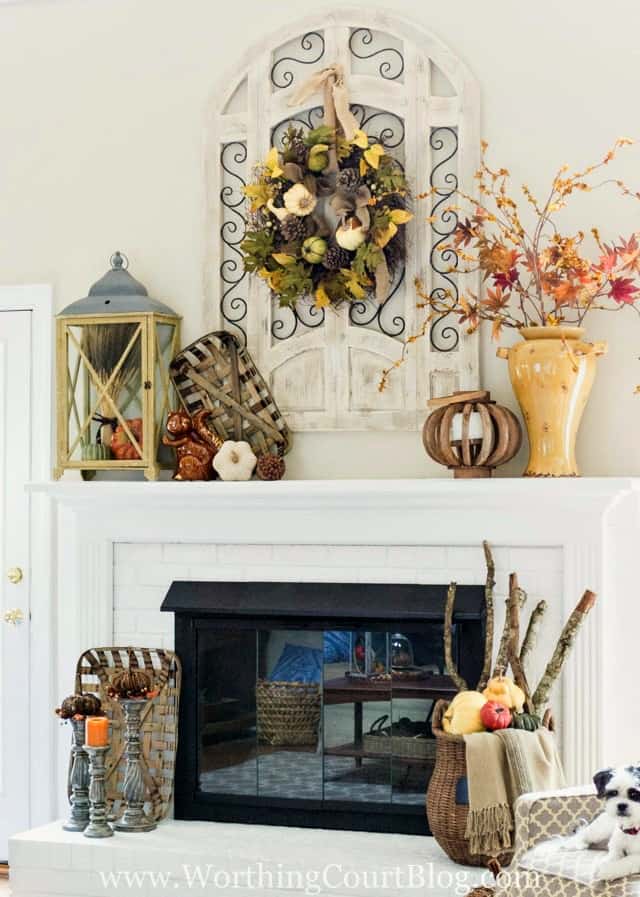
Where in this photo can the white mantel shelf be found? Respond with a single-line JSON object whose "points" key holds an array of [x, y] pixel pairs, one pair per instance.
{"points": [[429, 511], [340, 494]]}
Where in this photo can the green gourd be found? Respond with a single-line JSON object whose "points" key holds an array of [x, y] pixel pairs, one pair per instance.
{"points": [[527, 721]]}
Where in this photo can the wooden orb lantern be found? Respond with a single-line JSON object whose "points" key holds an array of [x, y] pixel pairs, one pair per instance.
{"points": [[470, 434]]}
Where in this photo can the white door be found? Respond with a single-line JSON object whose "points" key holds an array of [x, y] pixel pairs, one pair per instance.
{"points": [[15, 470]]}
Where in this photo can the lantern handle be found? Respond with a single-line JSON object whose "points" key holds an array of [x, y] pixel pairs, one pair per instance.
{"points": [[119, 261]]}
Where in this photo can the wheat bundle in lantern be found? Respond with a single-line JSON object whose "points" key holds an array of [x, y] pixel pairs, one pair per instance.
{"points": [[327, 209]]}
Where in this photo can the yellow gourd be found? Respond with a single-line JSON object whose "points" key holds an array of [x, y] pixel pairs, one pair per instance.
{"points": [[463, 714], [503, 690]]}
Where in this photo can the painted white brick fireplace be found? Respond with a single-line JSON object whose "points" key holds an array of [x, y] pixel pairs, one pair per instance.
{"points": [[119, 546]]}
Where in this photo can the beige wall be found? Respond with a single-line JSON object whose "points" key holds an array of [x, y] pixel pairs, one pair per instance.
{"points": [[101, 116]]}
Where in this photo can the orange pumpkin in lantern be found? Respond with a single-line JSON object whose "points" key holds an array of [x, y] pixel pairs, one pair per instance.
{"points": [[122, 447]]}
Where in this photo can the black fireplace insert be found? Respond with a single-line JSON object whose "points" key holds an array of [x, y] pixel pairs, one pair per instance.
{"points": [[309, 704]]}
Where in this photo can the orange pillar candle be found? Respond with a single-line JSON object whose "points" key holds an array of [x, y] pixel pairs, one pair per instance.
{"points": [[97, 731]]}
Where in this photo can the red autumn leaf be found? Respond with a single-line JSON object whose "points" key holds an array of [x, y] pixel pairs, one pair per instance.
{"points": [[629, 252], [565, 293], [609, 260], [623, 289], [496, 300], [506, 281], [464, 234]]}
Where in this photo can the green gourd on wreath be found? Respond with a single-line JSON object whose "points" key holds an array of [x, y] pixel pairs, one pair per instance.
{"points": [[529, 722]]}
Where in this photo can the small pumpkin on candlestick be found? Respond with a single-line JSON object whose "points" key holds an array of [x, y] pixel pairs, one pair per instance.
{"points": [[471, 434], [131, 684], [79, 707]]}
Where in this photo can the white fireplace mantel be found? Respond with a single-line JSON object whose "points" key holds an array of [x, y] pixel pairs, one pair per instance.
{"points": [[513, 507], [594, 522]]}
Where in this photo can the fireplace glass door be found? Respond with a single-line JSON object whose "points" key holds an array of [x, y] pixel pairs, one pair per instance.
{"points": [[310, 704], [337, 716]]}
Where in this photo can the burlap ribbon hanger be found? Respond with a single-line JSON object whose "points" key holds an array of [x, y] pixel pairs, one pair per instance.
{"points": [[331, 83]]}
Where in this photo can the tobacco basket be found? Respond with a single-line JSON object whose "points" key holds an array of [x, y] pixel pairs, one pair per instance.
{"points": [[217, 373], [95, 671]]}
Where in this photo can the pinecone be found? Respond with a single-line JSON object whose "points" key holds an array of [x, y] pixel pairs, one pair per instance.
{"points": [[270, 467], [335, 257], [395, 201], [297, 151], [293, 228], [348, 179]]}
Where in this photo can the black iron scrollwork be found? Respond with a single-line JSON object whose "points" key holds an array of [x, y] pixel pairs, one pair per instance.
{"points": [[233, 301], [304, 314], [363, 313], [444, 336], [311, 44], [391, 65]]}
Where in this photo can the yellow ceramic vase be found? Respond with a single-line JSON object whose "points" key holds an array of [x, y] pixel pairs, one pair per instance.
{"points": [[552, 373]]}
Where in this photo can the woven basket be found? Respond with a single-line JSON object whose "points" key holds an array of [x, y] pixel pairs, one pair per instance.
{"points": [[95, 671], [288, 712], [448, 818], [218, 374], [378, 740]]}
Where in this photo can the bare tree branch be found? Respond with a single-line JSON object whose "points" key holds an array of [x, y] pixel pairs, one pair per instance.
{"points": [[530, 639], [502, 658], [452, 670], [563, 648], [489, 616]]}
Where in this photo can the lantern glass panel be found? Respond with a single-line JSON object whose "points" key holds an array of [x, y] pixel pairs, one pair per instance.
{"points": [[105, 405], [166, 336]]}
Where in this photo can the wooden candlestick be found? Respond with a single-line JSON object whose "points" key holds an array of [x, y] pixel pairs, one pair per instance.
{"points": [[98, 826]]}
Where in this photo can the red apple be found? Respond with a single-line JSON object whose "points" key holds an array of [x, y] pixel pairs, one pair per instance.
{"points": [[495, 716]]}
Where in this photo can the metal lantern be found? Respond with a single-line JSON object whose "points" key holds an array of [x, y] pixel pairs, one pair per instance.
{"points": [[113, 351]]}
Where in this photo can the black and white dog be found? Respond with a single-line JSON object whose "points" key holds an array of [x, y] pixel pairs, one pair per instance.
{"points": [[618, 826]]}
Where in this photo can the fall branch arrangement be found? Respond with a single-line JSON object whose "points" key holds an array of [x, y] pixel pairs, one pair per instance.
{"points": [[531, 276], [512, 652]]}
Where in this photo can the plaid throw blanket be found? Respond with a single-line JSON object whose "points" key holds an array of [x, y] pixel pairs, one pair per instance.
{"points": [[500, 767]]}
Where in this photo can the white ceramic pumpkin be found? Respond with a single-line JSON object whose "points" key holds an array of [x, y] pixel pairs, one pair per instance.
{"points": [[234, 461]]}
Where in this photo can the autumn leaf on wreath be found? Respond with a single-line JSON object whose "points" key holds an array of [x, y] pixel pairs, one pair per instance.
{"points": [[258, 194], [282, 258], [374, 154], [272, 163], [400, 216], [360, 140], [623, 290], [322, 297], [354, 282], [383, 235]]}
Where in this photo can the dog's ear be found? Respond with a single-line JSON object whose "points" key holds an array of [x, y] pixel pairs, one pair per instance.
{"points": [[601, 780]]}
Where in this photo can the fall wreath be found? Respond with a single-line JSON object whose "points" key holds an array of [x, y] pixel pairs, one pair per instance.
{"points": [[327, 209]]}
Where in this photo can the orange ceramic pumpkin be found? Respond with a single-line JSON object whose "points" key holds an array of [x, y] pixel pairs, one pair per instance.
{"points": [[121, 447]]}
